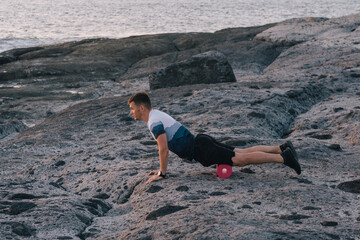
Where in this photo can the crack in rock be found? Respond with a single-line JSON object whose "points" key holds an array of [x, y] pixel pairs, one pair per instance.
{"points": [[163, 211], [126, 198], [96, 207]]}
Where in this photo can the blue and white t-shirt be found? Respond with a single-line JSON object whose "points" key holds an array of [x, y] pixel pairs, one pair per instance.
{"points": [[180, 140]]}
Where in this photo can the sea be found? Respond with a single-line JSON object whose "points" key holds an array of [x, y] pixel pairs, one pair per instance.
{"points": [[25, 23]]}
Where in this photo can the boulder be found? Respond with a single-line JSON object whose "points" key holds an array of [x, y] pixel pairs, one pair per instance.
{"points": [[208, 67]]}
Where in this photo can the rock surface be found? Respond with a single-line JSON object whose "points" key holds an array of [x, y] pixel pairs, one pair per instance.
{"points": [[208, 67], [37, 82], [79, 169]]}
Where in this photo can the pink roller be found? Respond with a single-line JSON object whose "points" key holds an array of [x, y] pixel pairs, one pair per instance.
{"points": [[224, 171]]}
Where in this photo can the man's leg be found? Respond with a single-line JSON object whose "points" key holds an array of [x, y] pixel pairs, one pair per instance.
{"points": [[260, 148], [287, 157], [243, 159]]}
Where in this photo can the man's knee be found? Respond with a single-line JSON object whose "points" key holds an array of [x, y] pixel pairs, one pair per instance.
{"points": [[241, 159]]}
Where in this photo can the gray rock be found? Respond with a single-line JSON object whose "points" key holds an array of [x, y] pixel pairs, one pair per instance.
{"points": [[217, 193], [182, 189], [247, 170], [246, 207], [9, 127], [21, 196], [311, 208], [329, 223], [351, 186], [101, 196], [20, 207], [310, 88], [335, 147], [154, 189], [256, 115], [47, 79], [208, 67], [163, 211], [293, 217], [21, 230]]}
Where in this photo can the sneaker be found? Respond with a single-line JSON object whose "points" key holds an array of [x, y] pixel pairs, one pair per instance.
{"points": [[289, 144], [290, 160]]}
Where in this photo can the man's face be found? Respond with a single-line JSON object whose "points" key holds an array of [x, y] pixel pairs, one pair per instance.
{"points": [[135, 111]]}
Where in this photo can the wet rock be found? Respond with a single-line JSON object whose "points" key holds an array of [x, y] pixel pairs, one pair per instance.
{"points": [[21, 230], [338, 109], [351, 186], [329, 223], [20, 207], [83, 219], [60, 163], [182, 189], [169, 209], [217, 193], [109, 158], [294, 93], [101, 196], [287, 132], [292, 111], [8, 127], [310, 208], [333, 236], [256, 115], [247, 170], [4, 205], [208, 67], [147, 143], [302, 180], [247, 206], [97, 207], [57, 185], [15, 54], [154, 189], [174, 232], [335, 147], [21, 196], [235, 142], [320, 136], [293, 217], [6, 58]]}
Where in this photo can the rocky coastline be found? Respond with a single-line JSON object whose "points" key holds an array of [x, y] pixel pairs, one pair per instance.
{"points": [[74, 163]]}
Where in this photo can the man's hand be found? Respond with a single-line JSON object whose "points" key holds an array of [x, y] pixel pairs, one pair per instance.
{"points": [[156, 177]]}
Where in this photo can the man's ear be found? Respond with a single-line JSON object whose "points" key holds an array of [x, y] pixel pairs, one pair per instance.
{"points": [[142, 107]]}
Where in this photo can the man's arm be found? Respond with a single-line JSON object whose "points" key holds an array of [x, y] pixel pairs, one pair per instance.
{"points": [[163, 156]]}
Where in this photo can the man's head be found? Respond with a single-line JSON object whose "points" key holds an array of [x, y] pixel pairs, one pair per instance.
{"points": [[140, 106]]}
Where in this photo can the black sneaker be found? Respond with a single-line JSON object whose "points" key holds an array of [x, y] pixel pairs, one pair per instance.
{"points": [[289, 144], [290, 160]]}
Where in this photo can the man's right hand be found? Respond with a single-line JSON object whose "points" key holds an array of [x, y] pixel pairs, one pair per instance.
{"points": [[156, 176]]}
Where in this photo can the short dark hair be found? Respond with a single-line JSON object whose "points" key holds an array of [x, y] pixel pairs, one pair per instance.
{"points": [[141, 98]]}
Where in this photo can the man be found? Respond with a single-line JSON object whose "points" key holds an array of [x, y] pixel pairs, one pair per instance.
{"points": [[171, 135]]}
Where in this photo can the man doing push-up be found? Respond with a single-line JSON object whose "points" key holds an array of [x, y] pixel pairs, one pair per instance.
{"points": [[172, 135]]}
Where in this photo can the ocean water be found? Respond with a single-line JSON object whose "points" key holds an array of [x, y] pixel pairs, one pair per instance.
{"points": [[25, 23]]}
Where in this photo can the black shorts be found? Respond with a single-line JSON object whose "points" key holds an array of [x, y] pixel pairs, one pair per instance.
{"points": [[208, 151]]}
